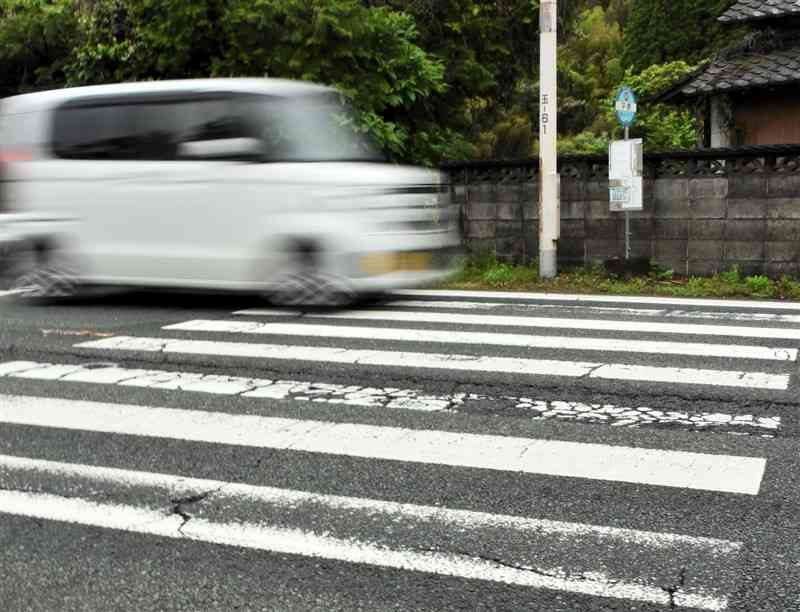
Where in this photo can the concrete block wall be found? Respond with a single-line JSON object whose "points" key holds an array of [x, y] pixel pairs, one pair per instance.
{"points": [[693, 223]]}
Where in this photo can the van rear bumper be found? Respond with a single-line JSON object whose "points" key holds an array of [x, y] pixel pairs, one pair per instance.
{"points": [[399, 280], [406, 269]]}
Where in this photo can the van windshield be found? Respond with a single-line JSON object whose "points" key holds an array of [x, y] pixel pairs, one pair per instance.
{"points": [[312, 129]]}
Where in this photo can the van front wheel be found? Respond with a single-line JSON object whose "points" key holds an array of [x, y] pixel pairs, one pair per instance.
{"points": [[302, 283], [309, 288]]}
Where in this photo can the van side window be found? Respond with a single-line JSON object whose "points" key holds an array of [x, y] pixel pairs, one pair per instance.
{"points": [[214, 120], [146, 130], [109, 131]]}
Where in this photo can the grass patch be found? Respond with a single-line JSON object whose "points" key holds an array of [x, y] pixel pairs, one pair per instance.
{"points": [[484, 271]]}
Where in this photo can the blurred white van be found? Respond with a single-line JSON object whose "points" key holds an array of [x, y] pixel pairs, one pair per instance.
{"points": [[245, 184]]}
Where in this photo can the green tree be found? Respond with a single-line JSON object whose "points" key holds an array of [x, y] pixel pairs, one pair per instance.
{"points": [[429, 79], [35, 38], [661, 31], [589, 67], [123, 40], [663, 126], [369, 53]]}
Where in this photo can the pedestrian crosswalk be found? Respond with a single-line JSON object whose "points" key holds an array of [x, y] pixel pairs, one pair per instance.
{"points": [[578, 460], [315, 362]]}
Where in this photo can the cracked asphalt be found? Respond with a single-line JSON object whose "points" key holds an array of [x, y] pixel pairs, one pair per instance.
{"points": [[58, 565]]}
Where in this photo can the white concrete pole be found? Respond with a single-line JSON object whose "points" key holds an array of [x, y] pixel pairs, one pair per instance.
{"points": [[549, 208]]}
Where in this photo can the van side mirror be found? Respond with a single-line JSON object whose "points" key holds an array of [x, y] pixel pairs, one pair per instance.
{"points": [[245, 149]]}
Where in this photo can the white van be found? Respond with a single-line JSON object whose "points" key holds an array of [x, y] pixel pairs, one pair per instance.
{"points": [[244, 184]]}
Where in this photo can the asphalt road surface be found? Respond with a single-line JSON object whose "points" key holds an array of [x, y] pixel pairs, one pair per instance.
{"points": [[437, 451]]}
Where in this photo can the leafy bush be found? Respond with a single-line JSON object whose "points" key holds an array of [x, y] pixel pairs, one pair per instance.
{"points": [[512, 137], [787, 288], [759, 285], [732, 276], [499, 275], [662, 126], [483, 270], [660, 273], [585, 143]]}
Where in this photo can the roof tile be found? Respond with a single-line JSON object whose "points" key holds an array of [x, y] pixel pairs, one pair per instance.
{"points": [[746, 71], [747, 10]]}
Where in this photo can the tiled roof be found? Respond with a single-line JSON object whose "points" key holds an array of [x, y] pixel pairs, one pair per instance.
{"points": [[748, 10], [746, 72]]}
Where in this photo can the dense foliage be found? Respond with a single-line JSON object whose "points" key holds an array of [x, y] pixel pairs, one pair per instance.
{"points": [[667, 30], [428, 79]]}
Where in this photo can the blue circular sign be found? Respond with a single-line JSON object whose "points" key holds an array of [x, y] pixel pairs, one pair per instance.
{"points": [[625, 106]]}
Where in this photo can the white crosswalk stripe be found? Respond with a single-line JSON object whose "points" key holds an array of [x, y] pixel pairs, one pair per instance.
{"points": [[577, 460], [604, 325], [598, 299], [490, 338], [386, 397], [334, 516], [296, 542], [672, 313], [447, 361], [533, 552]]}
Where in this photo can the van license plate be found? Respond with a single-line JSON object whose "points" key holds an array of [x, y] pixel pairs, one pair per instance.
{"points": [[385, 263], [413, 262]]}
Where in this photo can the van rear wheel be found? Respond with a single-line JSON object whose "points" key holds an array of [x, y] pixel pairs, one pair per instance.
{"points": [[34, 273]]}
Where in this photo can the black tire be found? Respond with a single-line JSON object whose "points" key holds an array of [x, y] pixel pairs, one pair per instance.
{"points": [[311, 290], [304, 286], [35, 274]]}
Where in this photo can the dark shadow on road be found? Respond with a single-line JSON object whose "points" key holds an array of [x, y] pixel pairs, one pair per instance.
{"points": [[123, 298]]}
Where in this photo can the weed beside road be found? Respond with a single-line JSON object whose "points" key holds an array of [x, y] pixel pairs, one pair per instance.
{"points": [[486, 272]]}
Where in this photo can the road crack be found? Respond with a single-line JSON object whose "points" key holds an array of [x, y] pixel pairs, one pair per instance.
{"points": [[593, 369], [672, 589], [557, 575], [179, 505]]}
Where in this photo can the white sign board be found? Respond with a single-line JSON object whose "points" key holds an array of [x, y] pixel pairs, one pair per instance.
{"points": [[625, 174]]}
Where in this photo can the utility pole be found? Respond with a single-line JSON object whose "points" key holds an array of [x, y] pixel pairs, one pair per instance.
{"points": [[549, 207]]}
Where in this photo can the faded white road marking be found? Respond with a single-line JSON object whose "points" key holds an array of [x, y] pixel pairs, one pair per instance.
{"points": [[391, 397], [684, 329], [441, 361], [749, 317], [182, 485], [489, 338], [295, 541], [724, 473], [452, 304], [598, 299], [557, 544], [616, 371]]}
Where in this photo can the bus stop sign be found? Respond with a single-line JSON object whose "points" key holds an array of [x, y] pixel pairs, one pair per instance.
{"points": [[625, 106]]}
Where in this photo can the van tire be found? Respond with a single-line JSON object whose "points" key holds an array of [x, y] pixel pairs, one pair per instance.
{"points": [[305, 290], [303, 285], [36, 275]]}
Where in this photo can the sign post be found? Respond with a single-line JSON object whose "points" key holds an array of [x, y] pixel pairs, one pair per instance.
{"points": [[549, 208], [625, 165]]}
